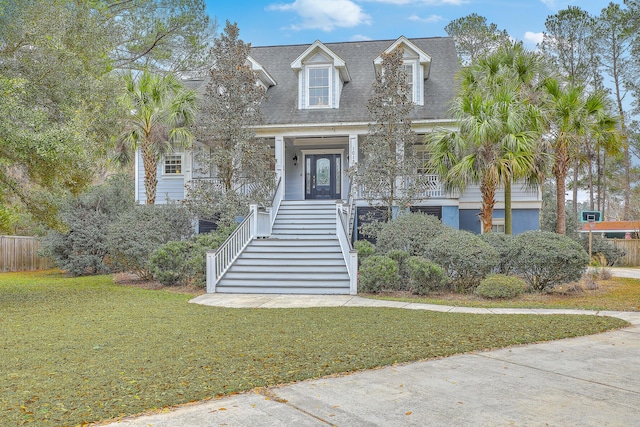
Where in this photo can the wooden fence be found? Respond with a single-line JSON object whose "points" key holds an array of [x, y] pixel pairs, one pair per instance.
{"points": [[20, 253], [632, 249]]}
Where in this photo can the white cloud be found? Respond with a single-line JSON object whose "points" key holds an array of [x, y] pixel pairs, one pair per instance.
{"points": [[534, 38], [325, 15], [360, 38], [428, 19]]}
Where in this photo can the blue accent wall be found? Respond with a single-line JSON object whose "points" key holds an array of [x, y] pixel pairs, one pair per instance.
{"points": [[451, 216], [523, 219], [469, 220]]}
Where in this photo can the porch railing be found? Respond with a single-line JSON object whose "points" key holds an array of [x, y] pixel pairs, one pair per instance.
{"points": [[219, 261], [350, 255], [426, 186], [240, 185]]}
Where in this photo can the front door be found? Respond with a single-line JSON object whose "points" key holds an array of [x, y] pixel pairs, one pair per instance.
{"points": [[323, 176]]}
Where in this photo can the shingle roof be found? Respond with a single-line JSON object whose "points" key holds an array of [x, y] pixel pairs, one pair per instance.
{"points": [[281, 106]]}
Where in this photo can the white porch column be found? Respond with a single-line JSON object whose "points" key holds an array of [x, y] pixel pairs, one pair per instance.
{"points": [[353, 150], [280, 161]]}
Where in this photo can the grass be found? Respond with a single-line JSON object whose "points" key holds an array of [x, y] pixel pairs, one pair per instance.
{"points": [[617, 294], [77, 350]]}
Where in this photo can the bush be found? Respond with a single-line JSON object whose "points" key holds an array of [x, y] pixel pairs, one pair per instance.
{"points": [[401, 257], [184, 262], [410, 233], [365, 248], [140, 231], [378, 272], [82, 248], [546, 259], [500, 286], [425, 276], [465, 258], [503, 244], [604, 252]]}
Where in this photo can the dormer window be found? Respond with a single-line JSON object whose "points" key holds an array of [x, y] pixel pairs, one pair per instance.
{"points": [[416, 64], [319, 87], [321, 75], [411, 84]]}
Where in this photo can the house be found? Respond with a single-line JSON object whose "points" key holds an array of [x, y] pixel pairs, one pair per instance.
{"points": [[315, 119], [613, 229]]}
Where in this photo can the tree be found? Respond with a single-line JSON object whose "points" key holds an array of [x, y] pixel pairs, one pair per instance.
{"points": [[160, 35], [389, 176], [499, 127], [58, 87], [239, 164], [474, 38], [161, 111], [572, 111], [54, 113], [615, 31], [569, 43]]}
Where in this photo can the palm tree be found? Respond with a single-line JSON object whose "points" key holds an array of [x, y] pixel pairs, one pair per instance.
{"points": [[498, 130], [573, 113], [159, 113]]}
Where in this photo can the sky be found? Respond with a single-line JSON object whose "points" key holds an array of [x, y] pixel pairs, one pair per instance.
{"points": [[279, 22]]}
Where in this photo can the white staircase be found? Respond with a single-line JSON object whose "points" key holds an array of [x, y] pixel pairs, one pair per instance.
{"points": [[302, 256]]}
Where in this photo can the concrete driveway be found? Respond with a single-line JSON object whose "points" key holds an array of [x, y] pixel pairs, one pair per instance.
{"points": [[585, 381]]}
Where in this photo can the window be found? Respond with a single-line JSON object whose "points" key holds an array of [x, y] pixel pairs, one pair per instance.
{"points": [[173, 164], [422, 157], [318, 84], [408, 68], [497, 225]]}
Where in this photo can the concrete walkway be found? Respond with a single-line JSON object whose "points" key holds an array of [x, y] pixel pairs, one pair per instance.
{"points": [[586, 381]]}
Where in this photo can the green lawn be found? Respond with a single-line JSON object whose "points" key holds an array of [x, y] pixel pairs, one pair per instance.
{"points": [[85, 349]]}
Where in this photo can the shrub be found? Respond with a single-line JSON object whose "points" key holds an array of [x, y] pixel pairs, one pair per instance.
{"points": [[500, 286], [168, 263], [401, 257], [503, 244], [365, 248], [184, 262], [425, 276], [546, 259], [465, 258], [140, 231], [378, 272], [604, 252], [82, 248], [409, 232]]}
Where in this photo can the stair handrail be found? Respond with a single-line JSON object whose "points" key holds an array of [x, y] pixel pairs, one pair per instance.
{"points": [[350, 255], [219, 261], [276, 200], [350, 208]]}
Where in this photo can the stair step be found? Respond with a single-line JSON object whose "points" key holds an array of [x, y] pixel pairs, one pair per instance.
{"points": [[310, 269], [284, 276], [329, 288], [258, 262], [306, 255]]}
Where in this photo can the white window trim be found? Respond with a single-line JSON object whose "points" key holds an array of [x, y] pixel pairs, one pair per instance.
{"points": [[494, 221], [417, 89], [307, 86], [164, 165]]}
